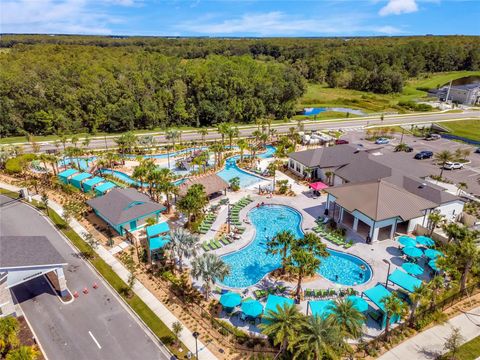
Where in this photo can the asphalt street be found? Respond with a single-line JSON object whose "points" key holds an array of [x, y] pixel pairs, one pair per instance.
{"points": [[102, 143], [96, 325]]}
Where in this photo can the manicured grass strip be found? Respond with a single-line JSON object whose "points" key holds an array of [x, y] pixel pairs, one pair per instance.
{"points": [[469, 129], [468, 351], [10, 194]]}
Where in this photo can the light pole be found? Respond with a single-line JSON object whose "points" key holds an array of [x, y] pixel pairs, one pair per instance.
{"points": [[228, 217], [196, 335], [388, 272]]}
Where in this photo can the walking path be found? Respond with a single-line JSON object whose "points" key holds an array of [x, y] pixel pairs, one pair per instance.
{"points": [[142, 292], [429, 343]]}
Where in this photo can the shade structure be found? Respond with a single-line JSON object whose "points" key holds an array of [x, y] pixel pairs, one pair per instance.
{"points": [[412, 251], [432, 253], [321, 308], [433, 264], [425, 240], [273, 301], [230, 299], [407, 241], [377, 294], [252, 308], [412, 268], [358, 303], [159, 242], [157, 229], [317, 186], [405, 281]]}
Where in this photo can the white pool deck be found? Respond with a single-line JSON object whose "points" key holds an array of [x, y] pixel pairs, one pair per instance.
{"points": [[310, 208]]}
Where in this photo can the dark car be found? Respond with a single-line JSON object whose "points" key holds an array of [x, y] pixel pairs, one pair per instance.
{"points": [[340, 142], [425, 154], [477, 151]]}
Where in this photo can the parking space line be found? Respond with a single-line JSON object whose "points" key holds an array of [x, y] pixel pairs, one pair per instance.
{"points": [[93, 337]]}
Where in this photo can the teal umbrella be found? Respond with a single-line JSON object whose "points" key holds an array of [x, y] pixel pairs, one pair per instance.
{"points": [[252, 308], [230, 300], [358, 303], [412, 251], [412, 269], [433, 264], [432, 253], [407, 241], [425, 240]]}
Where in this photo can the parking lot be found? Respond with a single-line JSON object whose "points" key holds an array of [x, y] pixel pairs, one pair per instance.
{"points": [[470, 174]]}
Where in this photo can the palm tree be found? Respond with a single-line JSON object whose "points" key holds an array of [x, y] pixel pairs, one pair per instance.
{"points": [[74, 140], [272, 170], [140, 172], [454, 231], [86, 141], [328, 175], [300, 125], [231, 133], [302, 263], [242, 145], [463, 256], [282, 325], [313, 244], [165, 185], [223, 129], [462, 186], [210, 268], [433, 219], [434, 287], [393, 306], [419, 294], [281, 243], [183, 244], [203, 133], [172, 135], [443, 157], [347, 318], [319, 338]]}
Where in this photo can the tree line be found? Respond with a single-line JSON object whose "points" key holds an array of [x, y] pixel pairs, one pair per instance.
{"points": [[87, 83]]}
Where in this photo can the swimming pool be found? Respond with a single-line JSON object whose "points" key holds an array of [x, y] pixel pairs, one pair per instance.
{"points": [[231, 170], [128, 179], [250, 264]]}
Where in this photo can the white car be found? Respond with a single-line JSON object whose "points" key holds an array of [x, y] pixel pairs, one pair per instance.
{"points": [[452, 165]]}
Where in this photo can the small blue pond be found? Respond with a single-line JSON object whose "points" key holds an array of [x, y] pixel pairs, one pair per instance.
{"points": [[316, 110], [250, 264]]}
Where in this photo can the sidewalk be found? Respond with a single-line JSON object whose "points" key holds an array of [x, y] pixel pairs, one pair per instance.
{"points": [[143, 293], [429, 343]]}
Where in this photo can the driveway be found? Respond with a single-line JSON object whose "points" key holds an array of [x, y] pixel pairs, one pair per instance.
{"points": [[96, 325], [470, 174]]}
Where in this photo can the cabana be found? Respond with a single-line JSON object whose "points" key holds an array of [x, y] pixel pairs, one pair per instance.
{"points": [[376, 295], [103, 188], [78, 179], [321, 308], [273, 301], [66, 175], [405, 281], [157, 236], [89, 184]]}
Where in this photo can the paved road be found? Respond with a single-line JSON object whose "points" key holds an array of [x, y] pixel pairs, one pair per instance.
{"points": [[99, 143], [94, 326]]}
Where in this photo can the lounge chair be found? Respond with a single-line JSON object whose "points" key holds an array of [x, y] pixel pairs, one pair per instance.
{"points": [[260, 293], [205, 246], [224, 240], [375, 315]]}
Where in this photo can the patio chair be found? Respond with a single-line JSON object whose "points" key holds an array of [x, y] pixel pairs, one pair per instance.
{"points": [[217, 243], [205, 246], [280, 289], [259, 294], [307, 293], [375, 315], [318, 293]]}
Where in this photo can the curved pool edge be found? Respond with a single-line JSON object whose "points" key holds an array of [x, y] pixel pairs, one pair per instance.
{"points": [[333, 284]]}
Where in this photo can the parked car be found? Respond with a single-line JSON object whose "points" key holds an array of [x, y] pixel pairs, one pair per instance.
{"points": [[432, 137], [340, 142], [452, 165], [382, 141], [425, 154], [477, 151]]}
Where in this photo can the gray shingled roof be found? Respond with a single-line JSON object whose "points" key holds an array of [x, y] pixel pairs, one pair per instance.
{"points": [[380, 200], [363, 169], [122, 205], [326, 157], [20, 251]]}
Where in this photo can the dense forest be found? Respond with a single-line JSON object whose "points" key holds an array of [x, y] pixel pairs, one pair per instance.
{"points": [[57, 84]]}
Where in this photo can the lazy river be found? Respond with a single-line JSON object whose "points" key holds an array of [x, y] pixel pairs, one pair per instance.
{"points": [[250, 264]]}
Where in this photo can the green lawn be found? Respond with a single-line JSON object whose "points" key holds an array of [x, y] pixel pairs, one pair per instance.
{"points": [[465, 128], [468, 351]]}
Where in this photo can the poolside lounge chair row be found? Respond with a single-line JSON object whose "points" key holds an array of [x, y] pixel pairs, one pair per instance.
{"points": [[328, 293], [207, 223], [279, 290], [332, 237], [215, 244], [235, 210]]}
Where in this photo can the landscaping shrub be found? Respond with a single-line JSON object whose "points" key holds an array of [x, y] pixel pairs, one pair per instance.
{"points": [[17, 164], [411, 105]]}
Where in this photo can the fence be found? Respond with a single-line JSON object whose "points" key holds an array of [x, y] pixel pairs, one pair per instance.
{"points": [[461, 138]]}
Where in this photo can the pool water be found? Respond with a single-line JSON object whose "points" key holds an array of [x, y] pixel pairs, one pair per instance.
{"points": [[128, 179], [231, 170], [250, 264]]}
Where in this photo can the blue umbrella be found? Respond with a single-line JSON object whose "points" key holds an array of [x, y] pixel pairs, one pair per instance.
{"points": [[433, 264], [412, 251], [425, 240], [433, 254], [252, 308], [412, 269], [358, 303], [230, 299], [407, 241]]}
